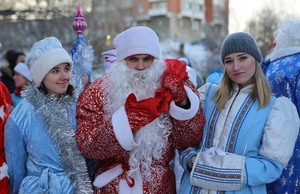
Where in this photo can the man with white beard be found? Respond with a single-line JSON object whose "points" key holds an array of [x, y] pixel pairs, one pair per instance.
{"points": [[133, 118]]}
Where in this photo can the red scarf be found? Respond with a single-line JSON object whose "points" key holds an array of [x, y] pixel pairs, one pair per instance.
{"points": [[18, 91]]}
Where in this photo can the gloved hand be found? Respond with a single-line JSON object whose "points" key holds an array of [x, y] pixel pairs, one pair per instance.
{"points": [[141, 113], [173, 79], [165, 97]]}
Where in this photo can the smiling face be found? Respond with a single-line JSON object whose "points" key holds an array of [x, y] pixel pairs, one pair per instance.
{"points": [[139, 62], [240, 68], [57, 79]]}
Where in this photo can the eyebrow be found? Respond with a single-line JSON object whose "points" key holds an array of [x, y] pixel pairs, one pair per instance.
{"points": [[140, 57], [242, 54], [68, 65], [237, 55]]}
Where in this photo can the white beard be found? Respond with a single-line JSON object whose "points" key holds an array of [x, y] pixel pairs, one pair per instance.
{"points": [[152, 138], [123, 81]]}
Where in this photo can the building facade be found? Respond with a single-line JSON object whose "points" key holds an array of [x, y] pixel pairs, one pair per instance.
{"points": [[186, 20]]}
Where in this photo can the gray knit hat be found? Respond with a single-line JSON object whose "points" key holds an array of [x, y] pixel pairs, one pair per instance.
{"points": [[240, 42]]}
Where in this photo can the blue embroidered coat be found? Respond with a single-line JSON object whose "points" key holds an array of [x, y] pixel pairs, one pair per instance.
{"points": [[256, 147]]}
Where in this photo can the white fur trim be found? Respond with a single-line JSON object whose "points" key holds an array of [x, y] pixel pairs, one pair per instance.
{"points": [[136, 189], [122, 129], [185, 114], [278, 53], [46, 62], [106, 177]]}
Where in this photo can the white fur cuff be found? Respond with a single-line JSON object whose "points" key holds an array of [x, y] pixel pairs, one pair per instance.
{"points": [[185, 114], [122, 129]]}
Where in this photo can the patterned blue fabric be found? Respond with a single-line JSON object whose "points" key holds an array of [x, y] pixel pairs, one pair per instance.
{"points": [[249, 122], [34, 165], [283, 74]]}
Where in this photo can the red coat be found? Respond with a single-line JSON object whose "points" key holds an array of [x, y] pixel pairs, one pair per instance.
{"points": [[6, 94], [97, 140], [4, 113]]}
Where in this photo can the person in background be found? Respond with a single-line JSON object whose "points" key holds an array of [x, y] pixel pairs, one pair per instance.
{"points": [[282, 69], [86, 79], [109, 57], [40, 146], [91, 164], [13, 58], [131, 119], [7, 96], [193, 72], [4, 113], [22, 77], [192, 76], [249, 135], [214, 77]]}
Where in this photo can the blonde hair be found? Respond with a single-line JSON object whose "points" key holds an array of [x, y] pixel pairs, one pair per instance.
{"points": [[261, 89]]}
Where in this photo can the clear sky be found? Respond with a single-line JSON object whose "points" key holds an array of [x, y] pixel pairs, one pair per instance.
{"points": [[241, 11]]}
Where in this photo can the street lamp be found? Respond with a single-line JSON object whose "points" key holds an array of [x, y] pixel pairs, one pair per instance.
{"points": [[107, 42]]}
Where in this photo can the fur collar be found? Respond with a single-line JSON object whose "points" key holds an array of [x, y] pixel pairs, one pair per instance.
{"points": [[278, 53], [54, 113]]}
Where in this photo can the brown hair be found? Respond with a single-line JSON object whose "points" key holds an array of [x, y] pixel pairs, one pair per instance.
{"points": [[70, 89]]}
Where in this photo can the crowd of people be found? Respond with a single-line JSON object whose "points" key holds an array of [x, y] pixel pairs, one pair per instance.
{"points": [[152, 125]]}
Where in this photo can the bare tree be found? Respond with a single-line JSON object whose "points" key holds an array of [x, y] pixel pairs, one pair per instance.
{"points": [[23, 22], [262, 28], [107, 18]]}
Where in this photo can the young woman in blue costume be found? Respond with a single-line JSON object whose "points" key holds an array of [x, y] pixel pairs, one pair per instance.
{"points": [[41, 150], [249, 135]]}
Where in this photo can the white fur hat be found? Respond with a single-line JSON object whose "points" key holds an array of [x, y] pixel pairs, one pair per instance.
{"points": [[288, 34], [137, 40], [22, 69], [44, 55], [109, 57]]}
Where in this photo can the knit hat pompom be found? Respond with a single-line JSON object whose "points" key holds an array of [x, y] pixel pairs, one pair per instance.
{"points": [[44, 55], [137, 40], [240, 42]]}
